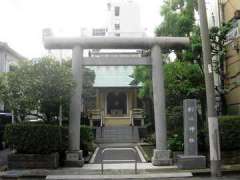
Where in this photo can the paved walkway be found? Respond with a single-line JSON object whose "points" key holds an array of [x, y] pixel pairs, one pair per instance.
{"points": [[147, 177], [3, 157], [127, 166], [232, 177], [115, 155]]}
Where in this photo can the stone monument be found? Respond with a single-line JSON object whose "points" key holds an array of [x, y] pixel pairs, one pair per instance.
{"points": [[190, 159]]}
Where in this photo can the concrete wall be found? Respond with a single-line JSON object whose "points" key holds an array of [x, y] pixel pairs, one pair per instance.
{"points": [[232, 80], [229, 7], [232, 62], [119, 121]]}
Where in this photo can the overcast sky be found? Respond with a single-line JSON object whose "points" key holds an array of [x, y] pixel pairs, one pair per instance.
{"points": [[22, 21]]}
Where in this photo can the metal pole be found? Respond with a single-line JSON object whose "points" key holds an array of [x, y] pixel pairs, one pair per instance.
{"points": [[60, 106], [60, 113], [102, 161], [13, 120], [215, 158], [132, 130], [135, 162]]}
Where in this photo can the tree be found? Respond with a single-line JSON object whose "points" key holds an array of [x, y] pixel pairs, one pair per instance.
{"points": [[182, 80], [17, 90], [217, 37], [55, 83], [218, 50], [41, 87], [88, 92], [178, 20]]}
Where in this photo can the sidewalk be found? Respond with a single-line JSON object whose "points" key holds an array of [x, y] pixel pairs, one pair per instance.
{"points": [[3, 157]]}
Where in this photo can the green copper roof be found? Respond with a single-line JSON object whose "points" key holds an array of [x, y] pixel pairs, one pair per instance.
{"points": [[113, 76]]}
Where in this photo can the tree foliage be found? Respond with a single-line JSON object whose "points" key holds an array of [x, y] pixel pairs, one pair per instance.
{"points": [[178, 20], [182, 79], [39, 88], [88, 92], [18, 89]]}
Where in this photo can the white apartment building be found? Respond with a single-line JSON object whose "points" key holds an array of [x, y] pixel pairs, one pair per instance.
{"points": [[8, 57], [124, 19], [214, 12]]}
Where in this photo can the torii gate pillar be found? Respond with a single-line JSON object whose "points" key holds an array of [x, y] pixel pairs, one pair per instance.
{"points": [[161, 156], [74, 156]]}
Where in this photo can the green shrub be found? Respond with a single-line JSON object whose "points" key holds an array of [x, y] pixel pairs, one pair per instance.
{"points": [[30, 138], [150, 139], [1, 135], [3, 121], [229, 127], [86, 139], [41, 138], [175, 143]]}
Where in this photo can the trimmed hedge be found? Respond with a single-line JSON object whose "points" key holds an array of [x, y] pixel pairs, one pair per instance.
{"points": [[3, 121], [29, 138], [40, 138], [1, 135], [229, 127]]}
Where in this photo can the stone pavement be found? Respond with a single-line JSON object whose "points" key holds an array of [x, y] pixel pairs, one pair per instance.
{"points": [[129, 167], [229, 177], [120, 177], [118, 170], [147, 177], [116, 155], [3, 157]]}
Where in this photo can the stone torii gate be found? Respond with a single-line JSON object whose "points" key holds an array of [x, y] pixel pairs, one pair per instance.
{"points": [[161, 155]]}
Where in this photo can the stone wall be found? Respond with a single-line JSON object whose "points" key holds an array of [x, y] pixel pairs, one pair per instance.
{"points": [[33, 161], [232, 74]]}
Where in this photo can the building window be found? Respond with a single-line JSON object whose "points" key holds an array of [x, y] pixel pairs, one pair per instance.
{"points": [[99, 32], [12, 68], [117, 34], [117, 11], [117, 26]]}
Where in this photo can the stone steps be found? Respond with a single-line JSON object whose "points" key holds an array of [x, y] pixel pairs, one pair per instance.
{"points": [[117, 134]]}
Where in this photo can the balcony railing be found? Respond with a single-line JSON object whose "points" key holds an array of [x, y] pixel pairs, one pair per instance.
{"points": [[136, 117]]}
